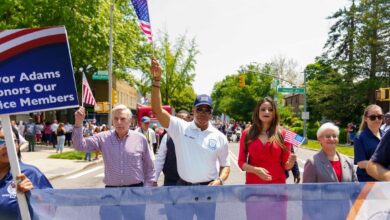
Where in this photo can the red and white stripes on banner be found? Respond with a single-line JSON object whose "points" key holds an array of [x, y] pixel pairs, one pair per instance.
{"points": [[146, 28], [87, 93], [13, 42]]}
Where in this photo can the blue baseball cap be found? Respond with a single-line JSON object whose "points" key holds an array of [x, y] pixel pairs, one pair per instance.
{"points": [[203, 100], [145, 119]]}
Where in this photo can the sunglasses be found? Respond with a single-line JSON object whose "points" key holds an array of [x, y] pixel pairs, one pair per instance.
{"points": [[3, 144], [203, 110], [373, 117]]}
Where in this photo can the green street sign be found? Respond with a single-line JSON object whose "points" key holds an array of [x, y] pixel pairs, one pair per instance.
{"points": [[292, 90], [100, 75]]}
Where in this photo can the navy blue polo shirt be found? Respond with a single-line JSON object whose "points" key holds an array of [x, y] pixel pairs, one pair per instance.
{"points": [[9, 208], [382, 153], [365, 145]]}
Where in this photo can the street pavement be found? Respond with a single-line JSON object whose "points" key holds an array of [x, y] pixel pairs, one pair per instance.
{"points": [[55, 168], [60, 169]]}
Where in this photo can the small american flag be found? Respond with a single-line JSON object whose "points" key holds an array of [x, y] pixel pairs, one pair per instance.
{"points": [[87, 93], [141, 8], [293, 138]]}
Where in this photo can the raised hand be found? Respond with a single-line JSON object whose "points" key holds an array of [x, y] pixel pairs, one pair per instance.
{"points": [[155, 69], [79, 116]]}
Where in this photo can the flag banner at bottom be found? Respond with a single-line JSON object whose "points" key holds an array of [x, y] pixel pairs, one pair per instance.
{"points": [[289, 201]]}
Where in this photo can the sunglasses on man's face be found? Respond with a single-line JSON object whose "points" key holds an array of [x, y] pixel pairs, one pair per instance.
{"points": [[374, 117], [203, 110]]}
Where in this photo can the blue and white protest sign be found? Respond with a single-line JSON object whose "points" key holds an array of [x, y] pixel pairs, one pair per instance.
{"points": [[36, 72]]}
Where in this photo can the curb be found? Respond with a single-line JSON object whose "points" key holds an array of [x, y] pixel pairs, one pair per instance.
{"points": [[94, 163]]}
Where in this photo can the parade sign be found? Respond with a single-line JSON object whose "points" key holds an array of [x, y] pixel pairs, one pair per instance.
{"points": [[336, 201], [36, 72]]}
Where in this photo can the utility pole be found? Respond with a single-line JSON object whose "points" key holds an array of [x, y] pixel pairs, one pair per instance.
{"points": [[305, 116], [110, 69]]}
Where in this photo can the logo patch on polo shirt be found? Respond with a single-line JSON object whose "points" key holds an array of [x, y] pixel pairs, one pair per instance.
{"points": [[11, 189], [212, 144], [189, 136]]}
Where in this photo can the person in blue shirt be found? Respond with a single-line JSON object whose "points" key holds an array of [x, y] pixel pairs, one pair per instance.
{"points": [[379, 164], [30, 178], [367, 140]]}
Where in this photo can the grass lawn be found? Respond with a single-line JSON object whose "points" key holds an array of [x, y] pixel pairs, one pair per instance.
{"points": [[69, 155], [314, 145]]}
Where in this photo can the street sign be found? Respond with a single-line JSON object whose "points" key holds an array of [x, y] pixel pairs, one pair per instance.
{"points": [[305, 115], [100, 75], [292, 90]]}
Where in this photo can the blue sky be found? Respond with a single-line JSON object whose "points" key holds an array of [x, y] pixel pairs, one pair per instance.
{"points": [[231, 33]]}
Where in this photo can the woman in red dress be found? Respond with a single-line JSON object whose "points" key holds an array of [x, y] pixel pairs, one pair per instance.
{"points": [[265, 156]]}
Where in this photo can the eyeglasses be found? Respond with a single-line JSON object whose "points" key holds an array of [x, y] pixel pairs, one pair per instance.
{"points": [[203, 110], [373, 117], [3, 144]]}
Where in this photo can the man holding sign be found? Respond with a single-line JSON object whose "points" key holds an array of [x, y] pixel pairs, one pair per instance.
{"points": [[36, 74], [30, 178]]}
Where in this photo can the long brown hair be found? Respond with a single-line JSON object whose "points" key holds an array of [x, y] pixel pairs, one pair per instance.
{"points": [[363, 124], [274, 133]]}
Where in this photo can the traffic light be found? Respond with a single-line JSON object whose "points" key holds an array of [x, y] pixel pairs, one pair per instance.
{"points": [[382, 94], [242, 81], [114, 97]]}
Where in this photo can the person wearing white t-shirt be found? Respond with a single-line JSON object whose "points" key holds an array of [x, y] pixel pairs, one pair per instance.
{"points": [[54, 127], [199, 147], [386, 125]]}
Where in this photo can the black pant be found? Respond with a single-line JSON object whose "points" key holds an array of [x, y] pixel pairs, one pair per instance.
{"points": [[182, 182], [68, 138], [54, 139]]}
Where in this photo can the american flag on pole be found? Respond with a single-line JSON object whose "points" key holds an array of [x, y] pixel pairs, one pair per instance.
{"points": [[87, 92], [293, 138], [141, 8]]}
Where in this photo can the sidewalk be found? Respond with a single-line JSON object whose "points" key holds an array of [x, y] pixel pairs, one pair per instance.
{"points": [[54, 168]]}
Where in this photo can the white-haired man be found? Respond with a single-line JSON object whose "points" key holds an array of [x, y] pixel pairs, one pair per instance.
{"points": [[126, 157]]}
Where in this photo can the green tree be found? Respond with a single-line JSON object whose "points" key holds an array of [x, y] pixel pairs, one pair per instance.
{"points": [[342, 41], [184, 99], [178, 64], [87, 24], [238, 102], [374, 42], [359, 44], [331, 96]]}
